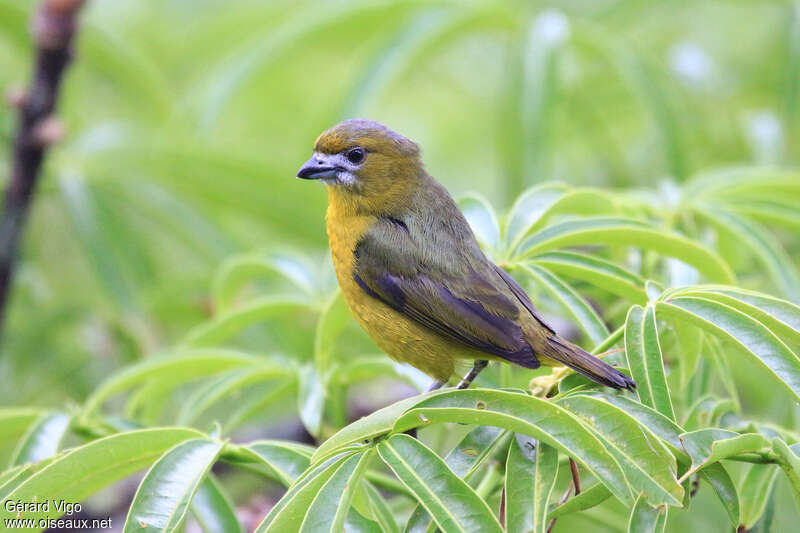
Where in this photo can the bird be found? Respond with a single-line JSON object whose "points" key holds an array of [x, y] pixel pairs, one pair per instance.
{"points": [[412, 273]]}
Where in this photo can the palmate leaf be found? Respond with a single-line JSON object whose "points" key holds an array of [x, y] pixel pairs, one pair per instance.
{"points": [[75, 475], [227, 324], [164, 495], [217, 388], [180, 368], [579, 309], [329, 509], [628, 232], [320, 499], [531, 416], [766, 248], [483, 221], [477, 447], [242, 269], [648, 465], [756, 340], [452, 503], [283, 461], [520, 413], [600, 273]]}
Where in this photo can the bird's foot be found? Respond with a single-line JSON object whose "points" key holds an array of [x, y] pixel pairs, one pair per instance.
{"points": [[476, 369]]}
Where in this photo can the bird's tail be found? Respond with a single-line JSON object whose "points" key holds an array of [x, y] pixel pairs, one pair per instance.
{"points": [[587, 364]]}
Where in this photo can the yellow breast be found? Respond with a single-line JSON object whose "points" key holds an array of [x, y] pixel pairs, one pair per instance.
{"points": [[401, 338]]}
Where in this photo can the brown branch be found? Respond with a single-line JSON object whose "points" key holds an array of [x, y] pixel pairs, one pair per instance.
{"points": [[563, 499], [576, 478], [54, 26]]}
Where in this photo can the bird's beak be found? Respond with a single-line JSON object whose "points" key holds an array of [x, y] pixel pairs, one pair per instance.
{"points": [[315, 169]]}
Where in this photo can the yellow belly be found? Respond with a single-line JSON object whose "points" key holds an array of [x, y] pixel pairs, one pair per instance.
{"points": [[400, 337]]}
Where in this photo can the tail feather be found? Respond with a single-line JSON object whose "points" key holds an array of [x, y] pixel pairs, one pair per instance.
{"points": [[587, 364]]}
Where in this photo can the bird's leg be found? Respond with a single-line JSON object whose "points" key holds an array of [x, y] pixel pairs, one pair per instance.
{"points": [[476, 369], [436, 385]]}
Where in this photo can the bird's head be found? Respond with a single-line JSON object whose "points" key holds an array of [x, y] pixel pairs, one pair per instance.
{"points": [[364, 164]]}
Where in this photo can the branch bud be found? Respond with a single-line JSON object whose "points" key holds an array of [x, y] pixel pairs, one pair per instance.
{"points": [[48, 131]]}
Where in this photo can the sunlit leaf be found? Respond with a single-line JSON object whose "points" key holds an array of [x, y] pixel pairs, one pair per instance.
{"points": [[164, 495]]}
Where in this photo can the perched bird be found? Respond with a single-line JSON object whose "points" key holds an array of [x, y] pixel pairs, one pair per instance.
{"points": [[411, 270]]}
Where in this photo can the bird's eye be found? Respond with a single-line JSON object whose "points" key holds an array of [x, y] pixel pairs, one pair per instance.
{"points": [[355, 155]]}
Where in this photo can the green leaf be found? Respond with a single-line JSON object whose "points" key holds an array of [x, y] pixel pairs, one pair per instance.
{"points": [[213, 510], [706, 446], [79, 473], [720, 480], [16, 421], [664, 428], [719, 361], [311, 399], [600, 273], [763, 245], [649, 467], [588, 498], [780, 316], [789, 460], [180, 368], [381, 510], [531, 470], [329, 508], [690, 344], [164, 495], [377, 423], [42, 439], [452, 503], [482, 219], [14, 477], [241, 269], [628, 232], [288, 513], [283, 461], [643, 351], [755, 490], [229, 323], [478, 446], [529, 208], [330, 325], [576, 307], [541, 419], [758, 342], [232, 381], [358, 523], [645, 518], [707, 411]]}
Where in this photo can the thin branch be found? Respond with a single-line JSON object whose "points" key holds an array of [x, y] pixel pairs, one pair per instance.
{"points": [[576, 477], [54, 26], [563, 499]]}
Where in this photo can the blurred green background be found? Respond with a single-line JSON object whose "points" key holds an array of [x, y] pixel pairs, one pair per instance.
{"points": [[187, 121]]}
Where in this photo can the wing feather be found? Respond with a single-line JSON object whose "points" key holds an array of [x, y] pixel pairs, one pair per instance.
{"points": [[479, 308]]}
